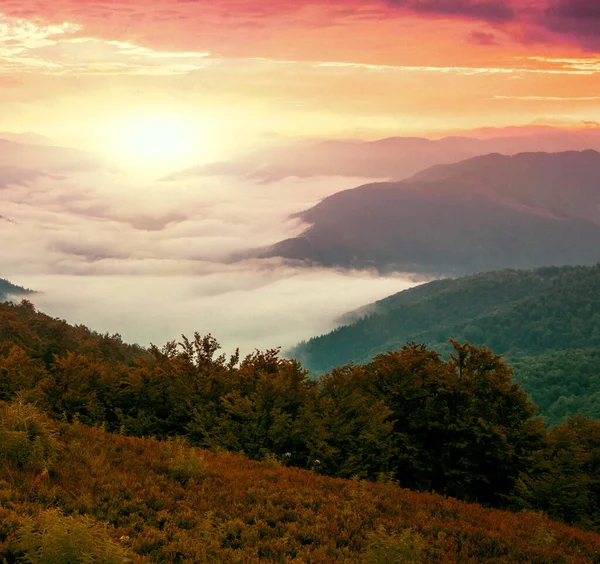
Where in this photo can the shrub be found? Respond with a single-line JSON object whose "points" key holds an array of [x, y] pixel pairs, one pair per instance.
{"points": [[394, 547], [28, 437], [56, 539], [185, 463]]}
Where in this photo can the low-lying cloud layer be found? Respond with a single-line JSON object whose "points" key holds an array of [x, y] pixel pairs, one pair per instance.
{"points": [[149, 260]]}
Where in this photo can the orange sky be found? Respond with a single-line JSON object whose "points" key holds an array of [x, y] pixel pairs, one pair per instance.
{"points": [[225, 74]]}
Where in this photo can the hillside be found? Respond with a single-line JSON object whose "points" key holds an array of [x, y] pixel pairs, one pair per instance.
{"points": [[164, 502], [458, 426], [42, 337], [8, 290], [486, 213], [535, 318]]}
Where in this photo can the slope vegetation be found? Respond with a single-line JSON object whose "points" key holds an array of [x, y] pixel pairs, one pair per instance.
{"points": [[109, 498], [8, 290], [459, 426]]}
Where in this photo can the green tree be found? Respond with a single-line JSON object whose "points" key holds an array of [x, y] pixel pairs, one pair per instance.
{"points": [[462, 427], [566, 480]]}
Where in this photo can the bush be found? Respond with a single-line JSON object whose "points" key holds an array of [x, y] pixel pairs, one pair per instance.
{"points": [[55, 539], [185, 463], [28, 437], [395, 547]]}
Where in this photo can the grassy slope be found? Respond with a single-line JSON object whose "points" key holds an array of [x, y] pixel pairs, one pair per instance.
{"points": [[165, 508]]}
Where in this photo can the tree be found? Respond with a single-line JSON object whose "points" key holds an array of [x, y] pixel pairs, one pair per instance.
{"points": [[461, 427], [566, 480]]}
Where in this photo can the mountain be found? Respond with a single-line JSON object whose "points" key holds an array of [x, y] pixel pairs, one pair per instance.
{"points": [[546, 321], [8, 290], [395, 158], [30, 138], [115, 499], [485, 213], [26, 160]]}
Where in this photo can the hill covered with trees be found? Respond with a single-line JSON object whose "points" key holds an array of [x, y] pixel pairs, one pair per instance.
{"points": [[458, 426], [545, 321], [8, 290]]}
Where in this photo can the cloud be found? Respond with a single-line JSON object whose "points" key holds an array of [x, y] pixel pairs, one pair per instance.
{"points": [[172, 38], [550, 98], [248, 306], [14, 175], [578, 20], [591, 124], [496, 11], [525, 66], [149, 260], [28, 47], [482, 38]]}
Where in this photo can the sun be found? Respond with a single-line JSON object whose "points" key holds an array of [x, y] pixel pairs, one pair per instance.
{"points": [[156, 137], [155, 141]]}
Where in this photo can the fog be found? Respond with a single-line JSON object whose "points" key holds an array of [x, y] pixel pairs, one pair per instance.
{"points": [[149, 260]]}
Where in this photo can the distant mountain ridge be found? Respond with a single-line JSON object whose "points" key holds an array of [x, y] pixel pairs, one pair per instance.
{"points": [[8, 290], [485, 213], [22, 158], [393, 158]]}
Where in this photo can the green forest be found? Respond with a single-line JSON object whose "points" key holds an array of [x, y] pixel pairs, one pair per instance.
{"points": [[546, 323]]}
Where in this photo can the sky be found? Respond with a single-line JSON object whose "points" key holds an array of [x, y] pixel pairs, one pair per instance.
{"points": [[138, 90], [176, 81]]}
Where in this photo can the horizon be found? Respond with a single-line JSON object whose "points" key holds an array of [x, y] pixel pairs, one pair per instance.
{"points": [[173, 85]]}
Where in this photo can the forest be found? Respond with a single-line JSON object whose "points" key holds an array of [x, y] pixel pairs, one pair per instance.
{"points": [[456, 425], [8, 290], [546, 323]]}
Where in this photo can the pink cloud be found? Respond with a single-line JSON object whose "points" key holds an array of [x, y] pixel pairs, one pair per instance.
{"points": [[260, 27]]}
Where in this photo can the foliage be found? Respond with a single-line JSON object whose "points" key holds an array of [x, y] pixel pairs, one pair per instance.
{"points": [[455, 424], [8, 290], [184, 463], [545, 321], [394, 548], [566, 480], [52, 538], [563, 383], [461, 427], [248, 512], [43, 337], [27, 436]]}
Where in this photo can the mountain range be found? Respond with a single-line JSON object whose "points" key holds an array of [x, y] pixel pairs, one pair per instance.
{"points": [[490, 212], [394, 158]]}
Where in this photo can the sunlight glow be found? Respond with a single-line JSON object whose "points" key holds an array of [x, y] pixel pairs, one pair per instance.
{"points": [[156, 142], [155, 137]]}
